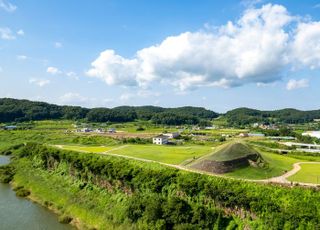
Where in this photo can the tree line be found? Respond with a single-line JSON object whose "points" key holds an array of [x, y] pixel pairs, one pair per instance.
{"points": [[246, 116], [13, 110]]}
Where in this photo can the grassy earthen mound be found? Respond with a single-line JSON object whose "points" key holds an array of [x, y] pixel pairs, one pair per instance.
{"points": [[229, 158]]}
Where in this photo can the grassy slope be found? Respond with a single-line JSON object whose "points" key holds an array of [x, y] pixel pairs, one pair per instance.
{"points": [[95, 207], [231, 151], [165, 154], [309, 173], [277, 165]]}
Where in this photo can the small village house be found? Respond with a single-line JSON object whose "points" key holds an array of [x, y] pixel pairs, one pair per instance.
{"points": [[160, 140]]}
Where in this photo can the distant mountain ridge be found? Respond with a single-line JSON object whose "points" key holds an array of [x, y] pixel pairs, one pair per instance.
{"points": [[245, 116], [16, 110]]}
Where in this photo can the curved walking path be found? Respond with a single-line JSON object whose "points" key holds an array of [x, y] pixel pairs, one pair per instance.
{"points": [[296, 168]]}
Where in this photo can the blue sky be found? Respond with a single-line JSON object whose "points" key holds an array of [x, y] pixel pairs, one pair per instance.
{"points": [[216, 54]]}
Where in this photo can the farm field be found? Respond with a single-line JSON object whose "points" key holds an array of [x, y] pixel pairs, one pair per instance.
{"points": [[164, 154], [92, 149], [309, 173]]}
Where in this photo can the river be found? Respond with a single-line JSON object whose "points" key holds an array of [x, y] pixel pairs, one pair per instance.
{"points": [[22, 214]]}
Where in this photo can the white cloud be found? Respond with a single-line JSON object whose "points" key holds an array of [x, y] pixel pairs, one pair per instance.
{"points": [[114, 69], [7, 6], [57, 45], [20, 32], [6, 34], [297, 84], [1, 69], [22, 57], [306, 44], [257, 48], [72, 75], [53, 70], [39, 82]]}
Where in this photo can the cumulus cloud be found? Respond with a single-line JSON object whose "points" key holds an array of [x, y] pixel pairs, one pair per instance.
{"points": [[297, 84], [306, 44], [6, 34], [39, 82], [7, 6], [53, 70], [256, 48]]}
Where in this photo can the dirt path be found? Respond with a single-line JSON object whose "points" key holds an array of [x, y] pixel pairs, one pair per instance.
{"points": [[283, 178], [120, 147]]}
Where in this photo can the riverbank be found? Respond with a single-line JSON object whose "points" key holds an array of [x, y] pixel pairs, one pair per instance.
{"points": [[63, 196], [22, 214]]}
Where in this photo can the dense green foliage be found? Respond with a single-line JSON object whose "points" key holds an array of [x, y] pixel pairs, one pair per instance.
{"points": [[13, 110], [6, 173], [245, 116], [169, 198]]}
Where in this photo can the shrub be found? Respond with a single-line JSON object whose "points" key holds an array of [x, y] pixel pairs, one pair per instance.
{"points": [[22, 192], [64, 219], [6, 173]]}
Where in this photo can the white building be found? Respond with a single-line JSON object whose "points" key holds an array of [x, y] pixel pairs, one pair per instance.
{"points": [[171, 135], [312, 134], [160, 140]]}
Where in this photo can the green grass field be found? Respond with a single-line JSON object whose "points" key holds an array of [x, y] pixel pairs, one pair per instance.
{"points": [[164, 154], [91, 149], [309, 173], [277, 165]]}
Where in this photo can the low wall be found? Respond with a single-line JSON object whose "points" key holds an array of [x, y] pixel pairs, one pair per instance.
{"points": [[225, 166]]}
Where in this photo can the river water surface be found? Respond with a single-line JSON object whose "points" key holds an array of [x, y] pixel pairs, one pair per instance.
{"points": [[22, 214]]}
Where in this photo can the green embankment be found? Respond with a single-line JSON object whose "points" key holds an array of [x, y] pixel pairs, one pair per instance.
{"points": [[309, 173], [232, 151], [275, 165], [107, 192]]}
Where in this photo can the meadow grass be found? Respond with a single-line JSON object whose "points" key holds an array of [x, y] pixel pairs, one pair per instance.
{"points": [[162, 153], [309, 173], [91, 149]]}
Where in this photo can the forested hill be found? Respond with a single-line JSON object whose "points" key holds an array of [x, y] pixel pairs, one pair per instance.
{"points": [[14, 110], [245, 116]]}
